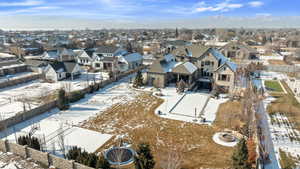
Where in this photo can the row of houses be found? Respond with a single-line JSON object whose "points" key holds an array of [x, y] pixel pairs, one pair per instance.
{"points": [[67, 63]]}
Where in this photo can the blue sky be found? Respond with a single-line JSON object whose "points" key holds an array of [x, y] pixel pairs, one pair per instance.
{"points": [[44, 14], [149, 9]]}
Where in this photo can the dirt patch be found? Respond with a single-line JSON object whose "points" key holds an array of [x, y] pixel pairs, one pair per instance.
{"points": [[136, 122]]}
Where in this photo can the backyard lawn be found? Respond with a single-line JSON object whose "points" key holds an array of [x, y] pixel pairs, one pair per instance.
{"points": [[135, 122], [273, 85]]}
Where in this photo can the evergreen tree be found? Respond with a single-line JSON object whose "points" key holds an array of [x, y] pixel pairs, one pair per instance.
{"points": [[138, 81], [240, 156], [144, 158], [63, 102], [31, 142], [102, 163]]}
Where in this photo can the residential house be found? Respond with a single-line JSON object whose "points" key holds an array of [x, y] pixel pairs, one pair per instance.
{"points": [[61, 54], [129, 61], [167, 70], [199, 66], [83, 58], [239, 51], [57, 71], [36, 65]]}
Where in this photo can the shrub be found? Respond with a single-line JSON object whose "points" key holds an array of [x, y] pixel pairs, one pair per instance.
{"points": [[75, 96], [88, 159], [144, 158], [63, 101], [30, 141], [240, 156]]}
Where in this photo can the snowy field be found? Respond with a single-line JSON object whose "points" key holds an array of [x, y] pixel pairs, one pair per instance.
{"points": [[183, 106], [283, 135], [12, 98], [49, 125]]}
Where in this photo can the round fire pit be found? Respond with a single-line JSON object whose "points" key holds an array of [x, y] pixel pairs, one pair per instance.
{"points": [[119, 156], [227, 137]]}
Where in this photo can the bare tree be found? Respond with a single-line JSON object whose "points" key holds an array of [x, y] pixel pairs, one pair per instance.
{"points": [[67, 86], [61, 140], [174, 158]]}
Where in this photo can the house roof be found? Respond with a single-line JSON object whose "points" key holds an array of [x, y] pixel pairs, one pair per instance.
{"points": [[106, 49], [67, 67], [35, 63], [184, 68], [133, 57], [156, 67], [192, 51], [240, 46]]}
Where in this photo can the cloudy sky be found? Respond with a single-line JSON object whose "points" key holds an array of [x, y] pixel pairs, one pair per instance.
{"points": [[26, 14]]}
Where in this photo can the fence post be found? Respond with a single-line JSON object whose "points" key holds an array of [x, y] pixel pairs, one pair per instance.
{"points": [[26, 151], [6, 145]]}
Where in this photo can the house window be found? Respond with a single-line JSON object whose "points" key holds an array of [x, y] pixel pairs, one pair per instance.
{"points": [[207, 62], [224, 78]]}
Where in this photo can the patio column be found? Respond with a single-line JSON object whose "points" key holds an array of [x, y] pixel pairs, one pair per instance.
{"points": [[190, 79]]}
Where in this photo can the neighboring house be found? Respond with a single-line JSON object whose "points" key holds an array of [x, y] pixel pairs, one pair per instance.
{"points": [[129, 61], [109, 58], [105, 57], [83, 58], [239, 51], [57, 71], [197, 65], [61, 54], [166, 70], [36, 65]]}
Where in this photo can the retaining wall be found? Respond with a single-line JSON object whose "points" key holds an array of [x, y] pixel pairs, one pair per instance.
{"points": [[20, 117], [14, 82], [41, 157]]}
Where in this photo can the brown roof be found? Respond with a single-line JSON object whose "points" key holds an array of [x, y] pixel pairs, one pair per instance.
{"points": [[193, 51]]}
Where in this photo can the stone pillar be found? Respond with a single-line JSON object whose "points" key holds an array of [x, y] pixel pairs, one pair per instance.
{"points": [[6, 145], [26, 151]]}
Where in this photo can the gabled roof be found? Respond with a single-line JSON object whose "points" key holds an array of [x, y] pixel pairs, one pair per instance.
{"points": [[191, 51], [36, 63], [185, 68], [240, 46], [67, 67], [156, 67], [230, 65]]}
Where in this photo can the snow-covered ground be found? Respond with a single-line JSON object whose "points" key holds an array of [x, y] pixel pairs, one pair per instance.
{"points": [[48, 125], [283, 134], [11, 97], [183, 106], [12, 161]]}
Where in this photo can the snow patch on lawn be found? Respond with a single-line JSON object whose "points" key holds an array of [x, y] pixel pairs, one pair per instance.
{"points": [[188, 106]]}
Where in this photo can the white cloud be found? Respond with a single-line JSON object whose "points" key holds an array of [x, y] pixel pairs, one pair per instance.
{"points": [[22, 3], [256, 3], [222, 7]]}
